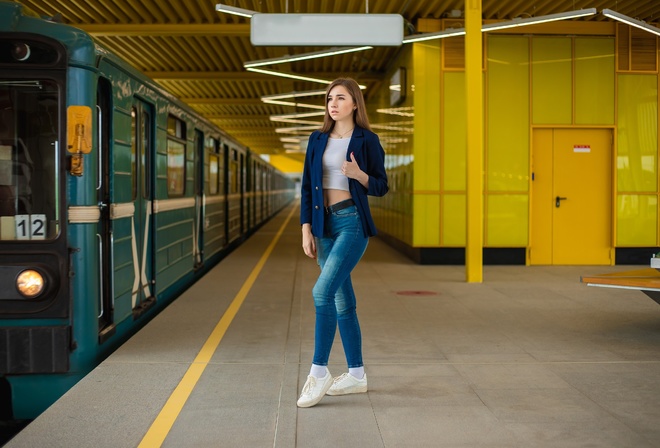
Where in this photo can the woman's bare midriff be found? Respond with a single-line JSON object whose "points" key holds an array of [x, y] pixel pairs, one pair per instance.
{"points": [[331, 197]]}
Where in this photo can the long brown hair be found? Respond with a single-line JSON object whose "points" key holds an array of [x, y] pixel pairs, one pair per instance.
{"points": [[359, 114]]}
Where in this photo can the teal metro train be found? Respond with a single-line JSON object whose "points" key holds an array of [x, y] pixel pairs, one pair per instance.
{"points": [[114, 198]]}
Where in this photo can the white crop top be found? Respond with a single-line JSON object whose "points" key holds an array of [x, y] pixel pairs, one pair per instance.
{"points": [[334, 157]]}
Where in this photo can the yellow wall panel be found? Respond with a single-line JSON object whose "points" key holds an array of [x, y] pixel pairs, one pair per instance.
{"points": [[426, 220], [552, 80], [455, 130], [507, 219], [637, 145], [637, 221], [453, 220], [594, 80], [426, 57], [508, 113]]}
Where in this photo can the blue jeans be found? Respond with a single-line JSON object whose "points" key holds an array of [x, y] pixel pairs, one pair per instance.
{"points": [[338, 252]]}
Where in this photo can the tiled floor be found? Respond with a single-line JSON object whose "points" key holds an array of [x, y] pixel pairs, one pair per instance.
{"points": [[528, 358]]}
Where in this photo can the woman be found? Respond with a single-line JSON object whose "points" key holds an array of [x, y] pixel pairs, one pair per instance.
{"points": [[344, 163]]}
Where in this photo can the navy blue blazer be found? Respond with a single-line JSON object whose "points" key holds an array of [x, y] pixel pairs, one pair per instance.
{"points": [[369, 156]]}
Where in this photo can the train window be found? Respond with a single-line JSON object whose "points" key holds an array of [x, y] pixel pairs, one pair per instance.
{"points": [[233, 172], [29, 159], [212, 162], [264, 177], [223, 150], [145, 120], [140, 142], [176, 156], [213, 174], [176, 127], [134, 150]]}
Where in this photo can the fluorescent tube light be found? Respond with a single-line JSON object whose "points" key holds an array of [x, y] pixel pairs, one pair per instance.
{"points": [[293, 121], [295, 118], [293, 76], [234, 10], [630, 21], [304, 56], [287, 103], [289, 75], [292, 139], [502, 25], [297, 115], [281, 96], [296, 129], [540, 19], [437, 35]]}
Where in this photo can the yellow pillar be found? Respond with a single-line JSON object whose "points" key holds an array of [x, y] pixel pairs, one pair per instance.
{"points": [[474, 87]]}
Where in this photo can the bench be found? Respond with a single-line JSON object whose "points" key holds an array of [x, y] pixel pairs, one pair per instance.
{"points": [[645, 280]]}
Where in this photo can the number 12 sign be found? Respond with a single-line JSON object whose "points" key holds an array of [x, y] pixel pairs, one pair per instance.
{"points": [[30, 227]]}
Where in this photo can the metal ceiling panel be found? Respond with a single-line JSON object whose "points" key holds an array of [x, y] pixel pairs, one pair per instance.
{"points": [[198, 54]]}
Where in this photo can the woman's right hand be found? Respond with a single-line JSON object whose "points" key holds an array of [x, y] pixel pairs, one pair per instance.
{"points": [[308, 242]]}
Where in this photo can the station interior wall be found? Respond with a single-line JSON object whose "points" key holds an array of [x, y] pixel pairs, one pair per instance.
{"points": [[604, 78]]}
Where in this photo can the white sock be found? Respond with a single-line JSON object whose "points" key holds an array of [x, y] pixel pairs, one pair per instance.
{"points": [[356, 372], [318, 371]]}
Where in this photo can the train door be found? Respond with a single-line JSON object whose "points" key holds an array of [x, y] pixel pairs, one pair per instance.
{"points": [[199, 199], [243, 180], [105, 232], [227, 188], [234, 196], [571, 197], [142, 245], [254, 192]]}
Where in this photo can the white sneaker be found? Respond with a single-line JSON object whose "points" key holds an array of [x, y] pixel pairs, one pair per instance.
{"points": [[314, 389], [346, 384]]}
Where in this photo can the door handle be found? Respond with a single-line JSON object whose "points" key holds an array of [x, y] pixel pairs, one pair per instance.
{"points": [[558, 201]]}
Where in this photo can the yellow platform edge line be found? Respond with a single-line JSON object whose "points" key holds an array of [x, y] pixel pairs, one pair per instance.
{"points": [[163, 423]]}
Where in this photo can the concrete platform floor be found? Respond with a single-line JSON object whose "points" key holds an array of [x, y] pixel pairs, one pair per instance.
{"points": [[528, 358]]}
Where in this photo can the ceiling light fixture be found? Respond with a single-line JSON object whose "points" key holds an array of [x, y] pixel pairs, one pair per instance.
{"points": [[304, 56], [540, 19], [293, 29], [293, 76], [503, 25], [288, 103], [318, 124], [284, 117], [295, 129], [630, 21], [292, 139], [288, 75], [281, 96], [400, 111], [437, 35], [235, 11]]}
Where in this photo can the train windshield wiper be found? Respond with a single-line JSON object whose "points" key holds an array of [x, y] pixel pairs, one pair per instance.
{"points": [[22, 83]]}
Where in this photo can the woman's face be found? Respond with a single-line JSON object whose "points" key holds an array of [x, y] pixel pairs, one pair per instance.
{"points": [[340, 104]]}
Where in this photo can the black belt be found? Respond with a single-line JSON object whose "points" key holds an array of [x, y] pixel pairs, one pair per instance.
{"points": [[339, 206]]}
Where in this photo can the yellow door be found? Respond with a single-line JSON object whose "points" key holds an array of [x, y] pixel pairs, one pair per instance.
{"points": [[571, 197]]}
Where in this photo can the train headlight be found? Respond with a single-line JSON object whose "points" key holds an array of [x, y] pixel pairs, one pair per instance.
{"points": [[21, 51], [30, 283]]}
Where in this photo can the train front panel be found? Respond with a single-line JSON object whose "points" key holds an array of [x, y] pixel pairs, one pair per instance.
{"points": [[46, 135]]}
